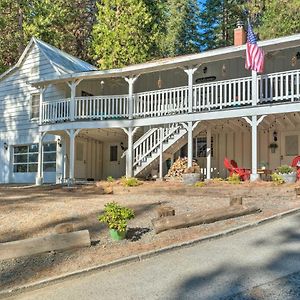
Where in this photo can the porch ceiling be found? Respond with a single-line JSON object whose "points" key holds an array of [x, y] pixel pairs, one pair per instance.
{"points": [[175, 62]]}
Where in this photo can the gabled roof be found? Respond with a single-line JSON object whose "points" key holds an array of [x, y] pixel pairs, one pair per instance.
{"points": [[63, 60], [184, 61], [57, 58]]}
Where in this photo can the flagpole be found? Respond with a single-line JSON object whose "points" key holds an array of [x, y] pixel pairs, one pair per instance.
{"points": [[254, 88]]}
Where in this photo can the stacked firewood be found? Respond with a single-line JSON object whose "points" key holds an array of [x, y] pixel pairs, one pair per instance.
{"points": [[179, 167]]}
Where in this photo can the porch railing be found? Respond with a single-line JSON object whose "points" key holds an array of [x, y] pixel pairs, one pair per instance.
{"points": [[276, 87], [101, 107]]}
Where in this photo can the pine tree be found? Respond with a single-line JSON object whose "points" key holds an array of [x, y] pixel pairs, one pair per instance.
{"points": [[280, 18], [66, 24], [179, 33], [124, 33], [218, 20]]}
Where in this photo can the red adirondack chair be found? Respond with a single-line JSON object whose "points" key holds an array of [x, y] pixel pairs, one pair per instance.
{"points": [[296, 164], [233, 168]]}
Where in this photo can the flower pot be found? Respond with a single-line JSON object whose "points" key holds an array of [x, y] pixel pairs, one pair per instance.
{"points": [[190, 178], [117, 235], [289, 178]]}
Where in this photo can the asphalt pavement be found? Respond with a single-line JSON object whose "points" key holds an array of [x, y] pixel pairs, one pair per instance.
{"points": [[259, 263]]}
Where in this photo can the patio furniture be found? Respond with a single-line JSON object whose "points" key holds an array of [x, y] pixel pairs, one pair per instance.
{"points": [[296, 164], [244, 174]]}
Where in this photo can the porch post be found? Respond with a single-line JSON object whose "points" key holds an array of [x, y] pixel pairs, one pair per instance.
{"points": [[72, 135], [208, 153], [161, 132], [73, 86], [190, 73], [42, 96], [39, 178], [130, 80], [254, 122], [254, 88], [129, 157], [190, 143]]}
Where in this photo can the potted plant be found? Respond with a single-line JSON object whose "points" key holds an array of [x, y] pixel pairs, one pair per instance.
{"points": [[116, 217], [191, 175], [273, 147], [288, 174]]}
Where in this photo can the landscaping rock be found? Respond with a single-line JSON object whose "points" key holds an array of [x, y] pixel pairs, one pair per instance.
{"points": [[164, 211], [64, 228]]}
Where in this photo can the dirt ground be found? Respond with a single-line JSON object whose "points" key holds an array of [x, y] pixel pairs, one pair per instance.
{"points": [[34, 211]]}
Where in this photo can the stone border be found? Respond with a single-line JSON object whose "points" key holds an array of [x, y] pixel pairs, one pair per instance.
{"points": [[139, 257]]}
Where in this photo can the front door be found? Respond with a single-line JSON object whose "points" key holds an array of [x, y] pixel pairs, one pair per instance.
{"points": [[80, 160]]}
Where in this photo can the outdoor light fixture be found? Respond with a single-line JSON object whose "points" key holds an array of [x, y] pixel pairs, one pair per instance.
{"points": [[59, 143], [5, 145]]}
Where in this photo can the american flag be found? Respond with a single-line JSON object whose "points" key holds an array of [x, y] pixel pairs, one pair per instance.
{"points": [[254, 54]]}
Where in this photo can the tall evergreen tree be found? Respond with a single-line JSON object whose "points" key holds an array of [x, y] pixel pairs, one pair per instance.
{"points": [[280, 18], [180, 32], [66, 24], [124, 33], [218, 20]]}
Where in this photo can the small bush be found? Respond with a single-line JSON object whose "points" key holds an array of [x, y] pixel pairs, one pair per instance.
{"points": [[200, 184], [277, 178], [130, 182], [110, 179], [234, 179], [116, 216], [216, 180], [285, 169]]}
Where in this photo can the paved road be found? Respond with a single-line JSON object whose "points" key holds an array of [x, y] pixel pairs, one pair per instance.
{"points": [[261, 263]]}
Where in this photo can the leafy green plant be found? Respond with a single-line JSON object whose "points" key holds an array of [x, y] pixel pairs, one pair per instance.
{"points": [[116, 216], [216, 180], [110, 179], [200, 184], [285, 169], [130, 182], [234, 179], [277, 178]]}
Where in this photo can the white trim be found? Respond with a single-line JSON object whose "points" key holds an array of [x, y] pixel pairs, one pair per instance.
{"points": [[177, 62]]}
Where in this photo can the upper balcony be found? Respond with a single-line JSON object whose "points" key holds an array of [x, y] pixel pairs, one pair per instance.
{"points": [[221, 95]]}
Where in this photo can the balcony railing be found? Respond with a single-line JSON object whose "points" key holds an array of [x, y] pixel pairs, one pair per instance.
{"points": [[276, 87]]}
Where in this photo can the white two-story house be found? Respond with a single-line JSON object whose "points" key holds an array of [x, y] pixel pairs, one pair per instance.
{"points": [[62, 119]]}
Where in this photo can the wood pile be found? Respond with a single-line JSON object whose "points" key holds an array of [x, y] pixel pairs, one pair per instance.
{"points": [[178, 168]]}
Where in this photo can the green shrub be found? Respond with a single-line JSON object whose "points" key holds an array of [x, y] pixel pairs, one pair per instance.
{"points": [[116, 216], [285, 169], [130, 182], [110, 179], [277, 178], [234, 179], [216, 180], [200, 184]]}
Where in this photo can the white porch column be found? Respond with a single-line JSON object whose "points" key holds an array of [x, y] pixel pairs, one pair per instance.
{"points": [[208, 153], [254, 122], [42, 96], [73, 86], [254, 88], [72, 135], [39, 178], [161, 153], [190, 73], [129, 157], [130, 80]]}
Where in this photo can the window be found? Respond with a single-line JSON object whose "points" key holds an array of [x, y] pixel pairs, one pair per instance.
{"points": [[26, 158], [200, 147], [35, 106], [49, 157], [113, 153], [291, 145]]}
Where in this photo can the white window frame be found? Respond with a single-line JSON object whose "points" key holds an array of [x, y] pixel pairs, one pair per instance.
{"points": [[31, 106]]}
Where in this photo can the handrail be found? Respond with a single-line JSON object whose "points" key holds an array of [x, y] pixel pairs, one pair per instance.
{"points": [[237, 92]]}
